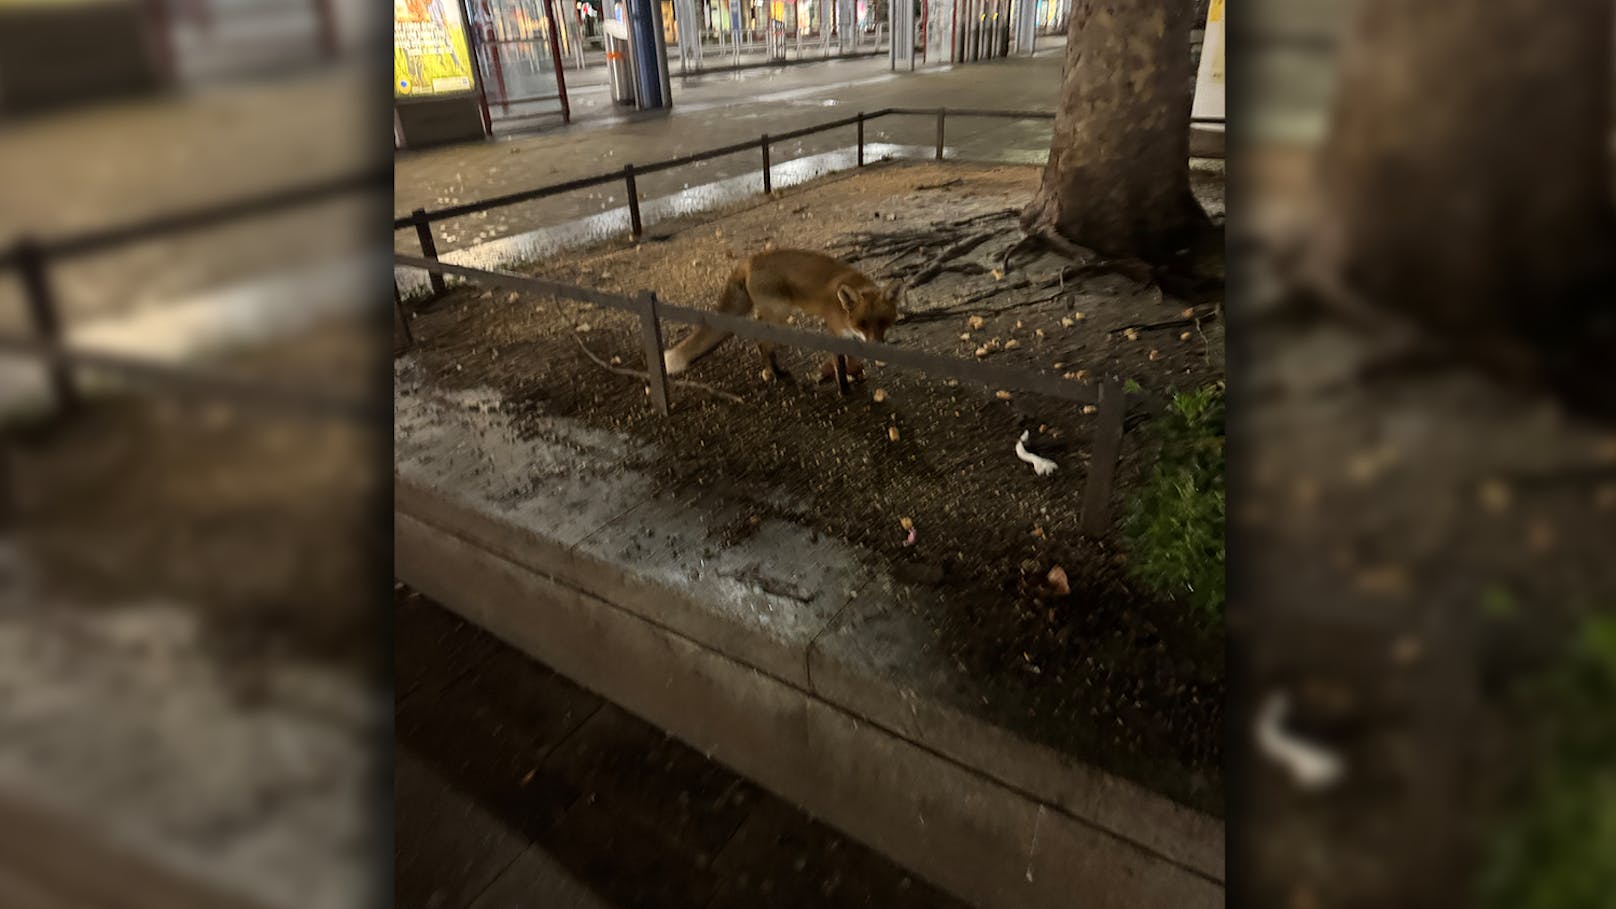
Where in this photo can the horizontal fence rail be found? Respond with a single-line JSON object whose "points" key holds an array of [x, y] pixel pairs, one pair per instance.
{"points": [[189, 382], [1107, 393], [996, 377], [32, 258], [376, 180]]}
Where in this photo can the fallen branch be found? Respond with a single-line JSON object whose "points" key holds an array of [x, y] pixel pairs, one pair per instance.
{"points": [[943, 185], [1194, 320]]}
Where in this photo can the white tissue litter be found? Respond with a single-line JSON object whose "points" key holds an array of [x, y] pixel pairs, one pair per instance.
{"points": [[1311, 766], [1041, 466]]}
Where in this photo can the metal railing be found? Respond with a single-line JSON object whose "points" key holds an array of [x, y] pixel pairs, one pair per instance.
{"points": [[32, 259], [1105, 398]]}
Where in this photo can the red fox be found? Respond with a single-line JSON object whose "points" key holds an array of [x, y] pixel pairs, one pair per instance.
{"points": [[772, 285]]}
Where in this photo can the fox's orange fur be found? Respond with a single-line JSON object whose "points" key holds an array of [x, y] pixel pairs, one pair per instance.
{"points": [[773, 285]]}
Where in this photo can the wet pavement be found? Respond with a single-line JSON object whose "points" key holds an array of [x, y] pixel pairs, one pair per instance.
{"points": [[717, 110], [516, 788]]}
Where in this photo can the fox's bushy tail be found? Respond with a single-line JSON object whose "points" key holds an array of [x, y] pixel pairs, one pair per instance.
{"points": [[733, 300]]}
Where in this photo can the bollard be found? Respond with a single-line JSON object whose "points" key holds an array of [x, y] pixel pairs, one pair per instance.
{"points": [[429, 246], [634, 225]]}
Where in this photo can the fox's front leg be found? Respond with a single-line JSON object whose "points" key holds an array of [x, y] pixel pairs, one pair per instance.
{"points": [[855, 369], [771, 365]]}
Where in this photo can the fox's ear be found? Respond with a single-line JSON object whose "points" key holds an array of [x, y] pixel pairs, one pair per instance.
{"points": [[848, 298]]}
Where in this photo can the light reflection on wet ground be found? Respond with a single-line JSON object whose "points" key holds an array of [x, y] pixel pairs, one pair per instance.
{"points": [[536, 244]]}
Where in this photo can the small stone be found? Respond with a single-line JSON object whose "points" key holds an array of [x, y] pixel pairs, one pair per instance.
{"points": [[1078, 316], [879, 395], [1407, 649], [892, 433], [1184, 336], [1495, 496], [1153, 355], [1131, 334], [1012, 344], [975, 323], [966, 336], [1002, 395], [1038, 332], [1066, 322], [1090, 408], [1540, 537], [1605, 497], [906, 523], [982, 351]]}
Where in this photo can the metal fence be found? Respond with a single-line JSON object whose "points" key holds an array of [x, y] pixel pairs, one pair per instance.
{"points": [[1105, 398], [32, 259]]}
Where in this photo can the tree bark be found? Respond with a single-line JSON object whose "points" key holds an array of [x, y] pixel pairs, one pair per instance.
{"points": [[1117, 180], [1467, 179]]}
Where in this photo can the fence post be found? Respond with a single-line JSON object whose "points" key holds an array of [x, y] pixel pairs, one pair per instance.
{"points": [[940, 113], [403, 322], [8, 482], [47, 323], [651, 334], [861, 139], [636, 227], [840, 365], [1096, 518], [429, 246], [768, 180]]}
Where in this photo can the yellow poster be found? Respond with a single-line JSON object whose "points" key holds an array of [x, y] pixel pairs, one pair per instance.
{"points": [[1208, 104], [431, 52]]}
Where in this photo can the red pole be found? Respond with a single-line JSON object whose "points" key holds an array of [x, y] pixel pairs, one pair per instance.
{"points": [[550, 26], [499, 77], [162, 38], [327, 18], [925, 20]]}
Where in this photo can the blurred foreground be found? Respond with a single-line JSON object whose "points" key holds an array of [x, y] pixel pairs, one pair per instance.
{"points": [[192, 690]]}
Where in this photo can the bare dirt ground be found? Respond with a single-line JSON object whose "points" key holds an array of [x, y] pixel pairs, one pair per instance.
{"points": [[1121, 675], [1418, 540]]}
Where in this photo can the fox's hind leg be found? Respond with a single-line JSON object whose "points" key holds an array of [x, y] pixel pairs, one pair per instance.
{"points": [[774, 314]]}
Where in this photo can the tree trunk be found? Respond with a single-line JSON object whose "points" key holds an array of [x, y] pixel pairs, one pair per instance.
{"points": [[1468, 179], [1117, 180]]}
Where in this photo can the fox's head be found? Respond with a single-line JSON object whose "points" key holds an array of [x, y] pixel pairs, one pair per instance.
{"points": [[870, 310]]}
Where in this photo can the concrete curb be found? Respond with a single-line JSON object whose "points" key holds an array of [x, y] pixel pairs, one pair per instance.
{"points": [[978, 811]]}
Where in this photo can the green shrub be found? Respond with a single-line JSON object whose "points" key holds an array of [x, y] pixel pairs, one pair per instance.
{"points": [[1174, 528], [1558, 847]]}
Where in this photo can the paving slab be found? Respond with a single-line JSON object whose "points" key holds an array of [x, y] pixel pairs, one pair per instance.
{"points": [[448, 849], [961, 829]]}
